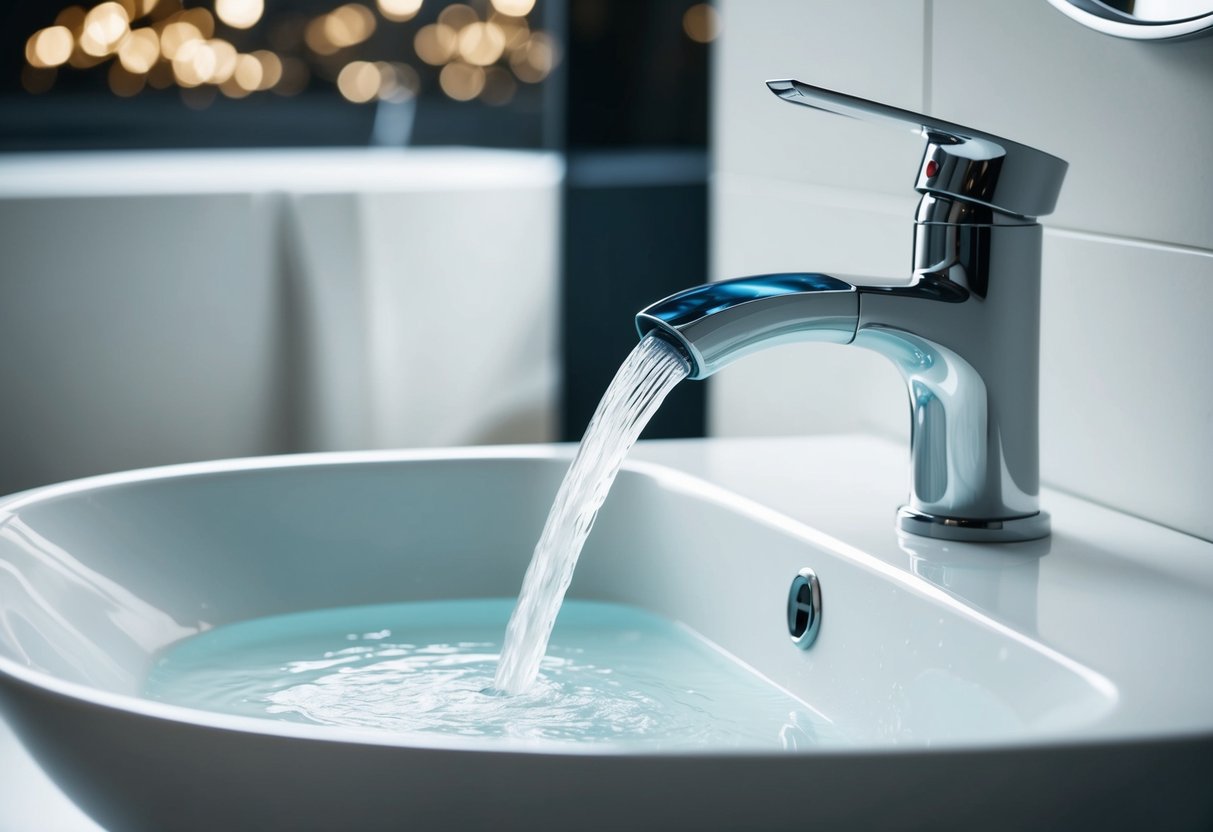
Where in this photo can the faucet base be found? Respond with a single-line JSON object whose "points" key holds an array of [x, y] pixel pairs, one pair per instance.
{"points": [[1016, 529]]}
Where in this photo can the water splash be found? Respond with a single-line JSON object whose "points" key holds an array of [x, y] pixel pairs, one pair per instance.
{"points": [[650, 372]]}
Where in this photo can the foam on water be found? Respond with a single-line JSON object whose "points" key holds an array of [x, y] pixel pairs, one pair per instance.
{"points": [[650, 372], [613, 676]]}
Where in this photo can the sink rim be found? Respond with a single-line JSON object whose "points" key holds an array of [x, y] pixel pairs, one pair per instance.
{"points": [[662, 475]]}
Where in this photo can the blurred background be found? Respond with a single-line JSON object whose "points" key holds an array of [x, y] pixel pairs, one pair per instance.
{"points": [[239, 227]]}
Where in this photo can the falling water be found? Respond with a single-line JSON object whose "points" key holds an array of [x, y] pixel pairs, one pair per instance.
{"points": [[648, 374]]}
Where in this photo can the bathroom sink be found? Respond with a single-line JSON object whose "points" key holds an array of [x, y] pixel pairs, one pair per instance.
{"points": [[960, 689]]}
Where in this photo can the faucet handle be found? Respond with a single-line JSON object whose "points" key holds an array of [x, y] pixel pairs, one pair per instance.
{"points": [[958, 162]]}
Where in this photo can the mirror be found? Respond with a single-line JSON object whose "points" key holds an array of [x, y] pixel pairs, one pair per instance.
{"points": [[1142, 19]]}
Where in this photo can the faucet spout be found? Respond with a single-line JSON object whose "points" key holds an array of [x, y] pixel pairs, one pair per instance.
{"points": [[963, 330], [717, 323]]}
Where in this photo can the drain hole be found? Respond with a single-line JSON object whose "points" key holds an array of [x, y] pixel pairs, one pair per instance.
{"points": [[804, 608]]}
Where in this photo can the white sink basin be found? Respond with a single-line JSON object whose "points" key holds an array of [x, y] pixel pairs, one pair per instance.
{"points": [[957, 700]]}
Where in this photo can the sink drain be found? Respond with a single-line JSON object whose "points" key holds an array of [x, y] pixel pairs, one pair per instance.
{"points": [[804, 608]]}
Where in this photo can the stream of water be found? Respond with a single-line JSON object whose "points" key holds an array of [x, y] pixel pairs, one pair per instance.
{"points": [[642, 383]]}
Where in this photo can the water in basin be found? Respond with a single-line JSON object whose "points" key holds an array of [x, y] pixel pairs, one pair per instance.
{"points": [[614, 675]]}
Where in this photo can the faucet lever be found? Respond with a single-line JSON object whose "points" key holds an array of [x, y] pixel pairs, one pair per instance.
{"points": [[958, 162]]}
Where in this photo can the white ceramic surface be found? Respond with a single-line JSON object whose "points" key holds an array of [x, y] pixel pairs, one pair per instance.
{"points": [[1060, 670]]}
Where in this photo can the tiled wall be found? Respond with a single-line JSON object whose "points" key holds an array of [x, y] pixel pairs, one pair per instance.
{"points": [[1127, 343]]}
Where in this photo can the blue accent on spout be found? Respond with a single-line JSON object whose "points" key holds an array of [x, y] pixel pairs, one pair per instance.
{"points": [[711, 298]]}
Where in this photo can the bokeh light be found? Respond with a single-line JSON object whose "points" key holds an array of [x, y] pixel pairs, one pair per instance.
{"points": [[399, 10], [240, 14], [701, 23], [481, 44], [397, 82], [461, 81], [534, 60], [436, 43], [139, 52], [49, 47], [359, 81], [349, 25], [271, 68], [458, 15], [514, 8], [104, 28], [249, 73], [479, 49], [175, 35]]}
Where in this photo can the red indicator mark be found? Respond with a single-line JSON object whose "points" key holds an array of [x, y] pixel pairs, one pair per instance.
{"points": [[932, 169]]}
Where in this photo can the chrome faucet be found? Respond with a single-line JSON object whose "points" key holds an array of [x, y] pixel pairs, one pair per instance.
{"points": [[964, 330]]}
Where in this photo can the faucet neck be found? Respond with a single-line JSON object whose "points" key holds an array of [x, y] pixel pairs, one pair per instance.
{"points": [[965, 336]]}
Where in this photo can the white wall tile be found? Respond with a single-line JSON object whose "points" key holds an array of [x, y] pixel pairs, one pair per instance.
{"points": [[1126, 381], [1133, 119], [845, 46]]}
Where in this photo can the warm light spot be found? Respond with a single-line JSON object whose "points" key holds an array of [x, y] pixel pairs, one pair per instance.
{"points": [[397, 82], [240, 14], [461, 81], [226, 59], [175, 36], [202, 20], [37, 81], [248, 74], [514, 8], [193, 63], [399, 10], [457, 15], [145, 7], [271, 68], [701, 23], [123, 83], [535, 60], [359, 81], [481, 43], [316, 37], [73, 18], [435, 44], [139, 52], [104, 28], [49, 47], [515, 30], [349, 24], [499, 87], [294, 78]]}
